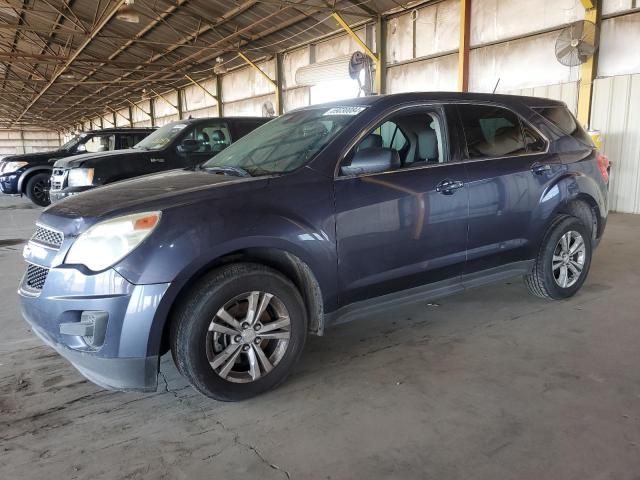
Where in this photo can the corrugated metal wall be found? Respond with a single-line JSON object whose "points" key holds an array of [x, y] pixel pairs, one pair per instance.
{"points": [[616, 112], [565, 92]]}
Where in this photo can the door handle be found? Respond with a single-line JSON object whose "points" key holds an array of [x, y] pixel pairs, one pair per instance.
{"points": [[446, 187], [540, 168]]}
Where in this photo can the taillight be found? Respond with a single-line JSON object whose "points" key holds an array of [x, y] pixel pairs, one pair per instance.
{"points": [[603, 165]]}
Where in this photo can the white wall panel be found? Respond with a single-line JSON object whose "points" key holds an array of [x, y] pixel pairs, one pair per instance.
{"points": [[296, 98], [140, 118], [616, 114], [195, 98], [437, 28], [565, 92], [523, 63], [122, 117], [493, 20], [165, 110], [617, 35], [291, 62], [613, 6], [400, 39], [13, 142], [338, 46], [437, 74], [249, 107], [246, 82], [107, 121], [202, 113]]}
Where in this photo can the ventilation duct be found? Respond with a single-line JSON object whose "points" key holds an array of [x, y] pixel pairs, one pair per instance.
{"points": [[346, 67]]}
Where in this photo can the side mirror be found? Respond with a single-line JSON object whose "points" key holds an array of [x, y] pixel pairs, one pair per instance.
{"points": [[188, 146], [372, 160], [81, 148]]}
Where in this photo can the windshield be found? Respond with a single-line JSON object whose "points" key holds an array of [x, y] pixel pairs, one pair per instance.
{"points": [[286, 143], [76, 139], [162, 137]]}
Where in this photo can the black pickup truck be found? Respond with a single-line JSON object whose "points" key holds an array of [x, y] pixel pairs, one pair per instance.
{"points": [[181, 144], [28, 174]]}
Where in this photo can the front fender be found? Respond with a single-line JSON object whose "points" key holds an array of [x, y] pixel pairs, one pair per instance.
{"points": [[25, 175]]}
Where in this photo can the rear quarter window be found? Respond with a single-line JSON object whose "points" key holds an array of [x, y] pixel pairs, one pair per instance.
{"points": [[564, 121]]}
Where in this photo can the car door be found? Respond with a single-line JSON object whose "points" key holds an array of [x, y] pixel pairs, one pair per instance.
{"points": [[209, 138], [405, 226], [508, 171]]}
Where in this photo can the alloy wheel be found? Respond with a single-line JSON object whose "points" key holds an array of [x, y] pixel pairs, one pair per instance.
{"points": [[248, 337], [41, 190], [568, 259]]}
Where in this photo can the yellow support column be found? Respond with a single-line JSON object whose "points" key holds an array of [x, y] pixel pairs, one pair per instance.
{"points": [[588, 69], [463, 49]]}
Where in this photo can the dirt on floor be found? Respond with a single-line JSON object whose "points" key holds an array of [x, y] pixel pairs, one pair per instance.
{"points": [[491, 384]]}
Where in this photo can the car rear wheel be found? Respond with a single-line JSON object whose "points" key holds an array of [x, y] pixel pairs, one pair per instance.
{"points": [[239, 332], [563, 261], [37, 189]]}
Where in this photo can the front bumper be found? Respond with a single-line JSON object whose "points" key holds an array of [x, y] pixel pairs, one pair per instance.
{"points": [[123, 361], [57, 195], [9, 183]]}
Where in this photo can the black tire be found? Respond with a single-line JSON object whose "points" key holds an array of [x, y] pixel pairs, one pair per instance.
{"points": [[37, 189], [189, 339], [542, 282], [588, 215]]}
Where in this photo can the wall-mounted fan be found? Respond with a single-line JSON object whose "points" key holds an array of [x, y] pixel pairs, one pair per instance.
{"points": [[577, 43], [268, 109]]}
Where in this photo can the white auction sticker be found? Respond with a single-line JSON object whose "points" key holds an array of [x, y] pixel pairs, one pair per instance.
{"points": [[344, 111]]}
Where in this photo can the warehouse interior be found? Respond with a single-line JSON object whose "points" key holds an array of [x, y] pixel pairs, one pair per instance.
{"points": [[488, 384]]}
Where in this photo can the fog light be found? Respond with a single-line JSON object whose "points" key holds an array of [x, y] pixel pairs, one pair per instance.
{"points": [[92, 327]]}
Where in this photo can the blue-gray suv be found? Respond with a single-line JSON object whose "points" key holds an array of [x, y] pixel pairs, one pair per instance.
{"points": [[323, 215]]}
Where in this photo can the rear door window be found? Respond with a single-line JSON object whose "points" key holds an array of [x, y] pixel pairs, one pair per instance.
{"points": [[211, 137], [491, 132], [100, 143]]}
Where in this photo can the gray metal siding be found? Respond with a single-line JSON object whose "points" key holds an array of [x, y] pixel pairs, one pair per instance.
{"points": [[616, 113]]}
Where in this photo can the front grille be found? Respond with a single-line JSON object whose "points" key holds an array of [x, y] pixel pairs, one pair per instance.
{"points": [[48, 237], [36, 276]]}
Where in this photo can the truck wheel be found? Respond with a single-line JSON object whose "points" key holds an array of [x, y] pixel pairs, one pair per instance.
{"points": [[239, 332], [564, 259], [37, 189]]}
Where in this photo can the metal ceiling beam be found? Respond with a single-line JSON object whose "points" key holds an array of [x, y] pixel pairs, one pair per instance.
{"points": [[78, 51], [226, 17]]}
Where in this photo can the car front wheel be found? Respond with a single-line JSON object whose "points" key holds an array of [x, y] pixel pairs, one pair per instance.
{"points": [[37, 189], [563, 261], [239, 332]]}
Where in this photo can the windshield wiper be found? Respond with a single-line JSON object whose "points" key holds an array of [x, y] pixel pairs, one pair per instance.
{"points": [[227, 170]]}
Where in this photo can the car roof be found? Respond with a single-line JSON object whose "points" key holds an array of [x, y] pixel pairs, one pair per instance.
{"points": [[121, 130], [206, 119], [410, 97]]}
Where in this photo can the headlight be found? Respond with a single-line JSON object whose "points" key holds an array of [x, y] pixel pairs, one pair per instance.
{"points": [[110, 241], [8, 167], [80, 177]]}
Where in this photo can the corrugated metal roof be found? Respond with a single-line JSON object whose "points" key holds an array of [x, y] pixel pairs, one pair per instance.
{"points": [[66, 60]]}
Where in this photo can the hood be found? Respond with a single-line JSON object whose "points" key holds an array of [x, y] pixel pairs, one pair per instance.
{"points": [[91, 159], [40, 157], [153, 192]]}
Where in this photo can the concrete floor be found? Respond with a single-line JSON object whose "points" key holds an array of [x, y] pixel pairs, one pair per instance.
{"points": [[492, 384]]}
